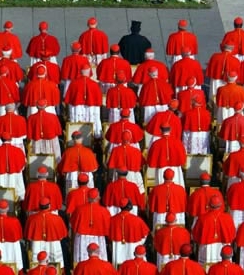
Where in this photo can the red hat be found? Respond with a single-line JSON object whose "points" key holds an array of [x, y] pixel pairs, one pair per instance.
{"points": [[229, 45], [205, 177], [42, 171], [8, 25], [149, 50], [185, 50], [3, 204], [3, 70], [238, 21], [182, 24], [238, 106], [85, 69], [46, 54], [76, 135], [6, 136], [215, 201], [170, 217], [42, 256], [232, 76], [165, 127], [120, 76], [114, 48], [124, 202], [6, 48], [41, 103], [169, 174], [44, 201], [75, 46], [92, 247], [41, 70], [43, 26], [227, 251], [191, 81], [185, 250], [152, 69], [140, 250], [51, 270], [93, 193], [122, 170], [174, 103], [83, 177], [126, 135], [125, 112], [91, 21]]}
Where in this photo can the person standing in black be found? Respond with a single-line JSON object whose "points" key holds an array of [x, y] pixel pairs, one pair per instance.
{"points": [[134, 45]]}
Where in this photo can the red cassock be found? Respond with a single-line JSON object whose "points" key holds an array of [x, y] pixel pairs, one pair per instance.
{"points": [[83, 91], [43, 125], [197, 119], [42, 188], [53, 71], [185, 98], [126, 156], [229, 94], [14, 124], [15, 72], [235, 196], [43, 42], [240, 235], [214, 226], [94, 41], [153, 126], [10, 229], [166, 151], [107, 68], [91, 219], [167, 197], [220, 64], [241, 75], [182, 266], [115, 130], [185, 68], [6, 270], [45, 226], [9, 92], [13, 159], [122, 188], [237, 37], [127, 227], [155, 92], [137, 266], [77, 158], [12, 40], [71, 66], [38, 270], [76, 197], [121, 97], [39, 89], [232, 128], [141, 75], [169, 239], [94, 266], [198, 202], [180, 39], [234, 162], [225, 267]]}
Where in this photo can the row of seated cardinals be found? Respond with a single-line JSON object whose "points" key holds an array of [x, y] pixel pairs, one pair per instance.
{"points": [[113, 223], [160, 92]]}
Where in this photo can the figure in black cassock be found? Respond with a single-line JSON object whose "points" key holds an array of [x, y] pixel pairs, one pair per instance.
{"points": [[134, 45]]}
